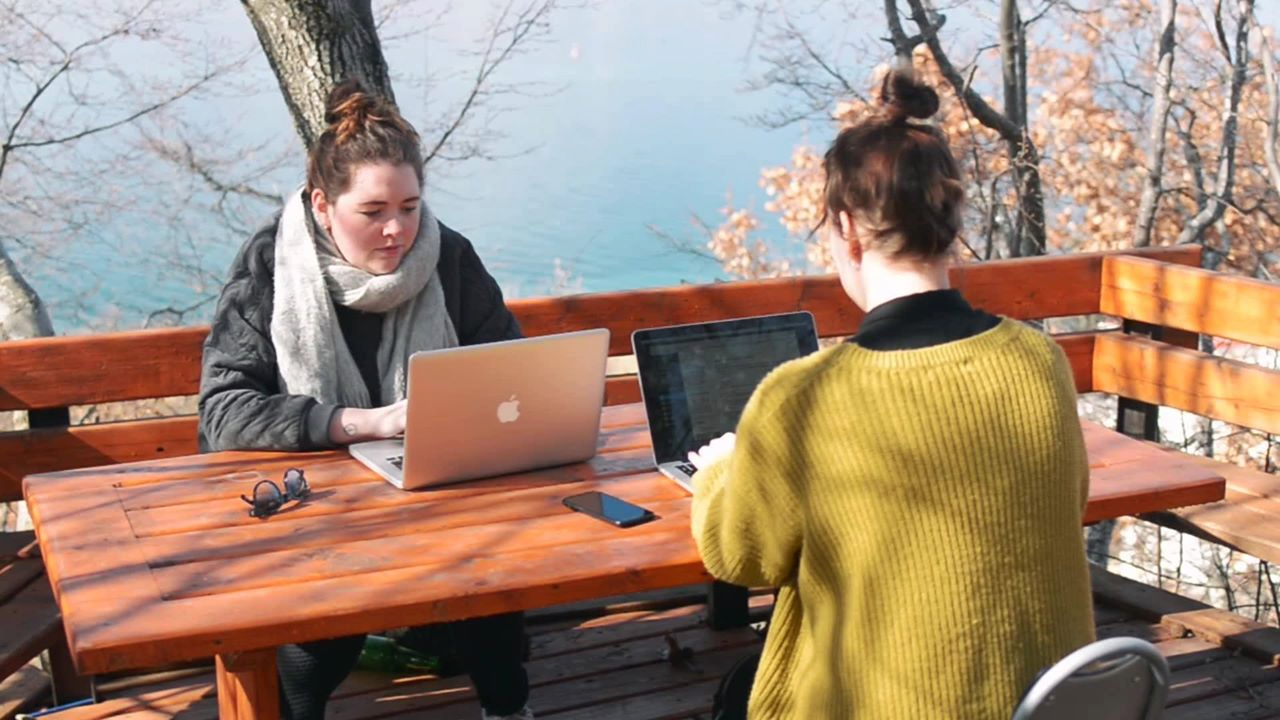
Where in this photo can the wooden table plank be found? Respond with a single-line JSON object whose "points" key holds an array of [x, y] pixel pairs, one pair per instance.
{"points": [[1145, 485], [335, 469], [158, 562], [330, 499], [548, 533], [655, 555], [1108, 447], [94, 565], [295, 532]]}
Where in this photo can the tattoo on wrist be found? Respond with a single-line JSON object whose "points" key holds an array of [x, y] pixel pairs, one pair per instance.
{"points": [[350, 429]]}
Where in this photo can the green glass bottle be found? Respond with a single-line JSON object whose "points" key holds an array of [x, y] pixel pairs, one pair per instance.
{"points": [[382, 654]]}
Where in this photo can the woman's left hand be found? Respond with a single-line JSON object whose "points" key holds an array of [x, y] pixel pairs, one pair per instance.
{"points": [[713, 451]]}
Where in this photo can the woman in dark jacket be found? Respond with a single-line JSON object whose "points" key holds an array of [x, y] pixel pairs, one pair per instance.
{"points": [[311, 340]]}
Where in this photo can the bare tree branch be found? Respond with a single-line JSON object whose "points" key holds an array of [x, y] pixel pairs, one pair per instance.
{"points": [[1225, 179], [1221, 31], [904, 45], [183, 155], [69, 57], [1043, 12], [685, 246], [1022, 151], [123, 27], [845, 87], [1159, 122], [1191, 153], [76, 90], [181, 93], [796, 65], [1272, 81], [7, 147], [400, 20], [176, 316], [982, 111], [531, 18]]}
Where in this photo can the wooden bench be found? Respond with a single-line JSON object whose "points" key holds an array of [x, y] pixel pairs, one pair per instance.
{"points": [[29, 622], [47, 376], [1146, 372]]}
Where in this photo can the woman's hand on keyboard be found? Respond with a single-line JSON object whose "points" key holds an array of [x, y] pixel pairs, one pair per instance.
{"points": [[713, 451], [350, 425]]}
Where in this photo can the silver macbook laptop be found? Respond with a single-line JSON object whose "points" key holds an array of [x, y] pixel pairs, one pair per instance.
{"points": [[484, 410], [695, 379]]}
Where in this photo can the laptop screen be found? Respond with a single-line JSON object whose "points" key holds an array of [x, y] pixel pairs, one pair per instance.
{"points": [[696, 379]]}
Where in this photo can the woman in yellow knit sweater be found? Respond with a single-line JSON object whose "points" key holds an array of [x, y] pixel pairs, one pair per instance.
{"points": [[915, 493]]}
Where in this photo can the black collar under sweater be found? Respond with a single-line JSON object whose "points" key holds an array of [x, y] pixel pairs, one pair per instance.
{"points": [[922, 320]]}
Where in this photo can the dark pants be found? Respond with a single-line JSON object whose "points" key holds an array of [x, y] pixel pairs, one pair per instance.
{"points": [[491, 650]]}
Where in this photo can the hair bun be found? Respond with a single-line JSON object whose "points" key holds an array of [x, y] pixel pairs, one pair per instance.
{"points": [[348, 108], [903, 96]]}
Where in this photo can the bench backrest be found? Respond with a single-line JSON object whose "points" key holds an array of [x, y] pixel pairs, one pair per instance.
{"points": [[1198, 301], [47, 375]]}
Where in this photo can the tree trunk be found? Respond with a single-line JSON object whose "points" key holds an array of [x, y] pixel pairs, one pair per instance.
{"points": [[1031, 240], [1010, 32], [1015, 103], [1159, 122], [1028, 236], [1273, 111], [313, 45], [22, 314], [1224, 182], [1025, 157]]}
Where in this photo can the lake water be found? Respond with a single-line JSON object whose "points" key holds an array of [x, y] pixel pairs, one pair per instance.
{"points": [[635, 118], [647, 126]]}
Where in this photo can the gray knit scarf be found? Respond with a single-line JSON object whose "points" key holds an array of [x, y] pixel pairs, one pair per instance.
{"points": [[311, 276]]}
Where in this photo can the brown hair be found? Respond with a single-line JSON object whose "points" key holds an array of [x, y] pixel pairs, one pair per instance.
{"points": [[899, 176], [363, 128]]}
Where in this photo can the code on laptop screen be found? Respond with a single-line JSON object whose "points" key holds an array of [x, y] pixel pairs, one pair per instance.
{"points": [[697, 379]]}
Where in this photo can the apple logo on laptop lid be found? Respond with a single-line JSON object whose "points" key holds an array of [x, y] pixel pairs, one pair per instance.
{"points": [[509, 410]]}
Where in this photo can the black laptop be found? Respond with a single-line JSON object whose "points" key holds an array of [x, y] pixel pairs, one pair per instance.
{"points": [[695, 379]]}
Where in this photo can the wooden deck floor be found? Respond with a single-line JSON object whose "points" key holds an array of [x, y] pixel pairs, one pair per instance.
{"points": [[615, 666]]}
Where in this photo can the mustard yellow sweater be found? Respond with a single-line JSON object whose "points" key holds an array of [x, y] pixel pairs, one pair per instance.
{"points": [[920, 512]]}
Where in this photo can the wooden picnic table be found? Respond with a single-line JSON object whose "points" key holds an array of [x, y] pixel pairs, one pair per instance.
{"points": [[159, 561]]}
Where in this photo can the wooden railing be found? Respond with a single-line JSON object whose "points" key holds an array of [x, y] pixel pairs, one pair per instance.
{"points": [[47, 375], [1198, 301]]}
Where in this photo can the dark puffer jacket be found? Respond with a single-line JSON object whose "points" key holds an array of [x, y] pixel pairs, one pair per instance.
{"points": [[241, 406]]}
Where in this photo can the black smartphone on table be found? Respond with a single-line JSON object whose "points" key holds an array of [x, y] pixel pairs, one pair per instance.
{"points": [[606, 507]]}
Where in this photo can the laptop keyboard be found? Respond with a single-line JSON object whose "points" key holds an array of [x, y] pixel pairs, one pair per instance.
{"points": [[397, 460], [687, 468]]}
